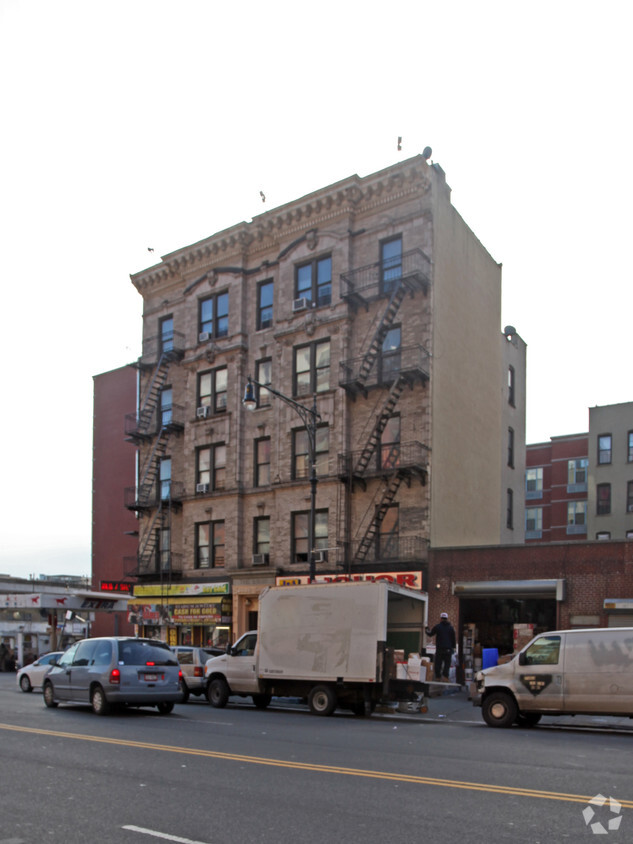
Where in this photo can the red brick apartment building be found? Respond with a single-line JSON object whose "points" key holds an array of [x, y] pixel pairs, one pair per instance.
{"points": [[114, 527], [556, 486]]}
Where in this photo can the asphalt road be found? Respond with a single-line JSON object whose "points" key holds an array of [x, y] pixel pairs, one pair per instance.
{"points": [[207, 776]]}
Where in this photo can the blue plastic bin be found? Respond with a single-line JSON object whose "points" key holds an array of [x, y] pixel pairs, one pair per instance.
{"points": [[489, 657]]}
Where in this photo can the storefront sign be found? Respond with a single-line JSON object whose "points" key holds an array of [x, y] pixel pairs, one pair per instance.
{"points": [[115, 586], [181, 590], [196, 613], [410, 579], [618, 604]]}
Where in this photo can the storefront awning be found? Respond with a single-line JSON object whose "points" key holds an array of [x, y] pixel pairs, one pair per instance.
{"points": [[553, 589]]}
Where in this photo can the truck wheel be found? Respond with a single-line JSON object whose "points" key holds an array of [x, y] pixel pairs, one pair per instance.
{"points": [[527, 719], [322, 700], [218, 693], [499, 710], [262, 701]]}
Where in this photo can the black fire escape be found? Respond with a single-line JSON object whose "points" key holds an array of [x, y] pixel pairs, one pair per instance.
{"points": [[377, 370], [155, 498]]}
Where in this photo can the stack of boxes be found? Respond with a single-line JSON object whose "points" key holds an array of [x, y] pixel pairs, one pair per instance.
{"points": [[522, 633], [468, 650]]}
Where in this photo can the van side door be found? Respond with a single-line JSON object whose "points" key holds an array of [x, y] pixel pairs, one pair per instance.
{"points": [[539, 677]]}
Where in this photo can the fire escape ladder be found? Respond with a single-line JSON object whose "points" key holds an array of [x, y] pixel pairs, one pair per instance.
{"points": [[388, 496], [148, 475], [388, 317], [147, 549], [148, 407], [382, 418]]}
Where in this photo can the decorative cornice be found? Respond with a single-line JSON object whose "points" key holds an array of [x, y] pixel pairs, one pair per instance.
{"points": [[232, 250]]}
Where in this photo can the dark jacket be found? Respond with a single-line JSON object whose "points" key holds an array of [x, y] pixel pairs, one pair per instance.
{"points": [[445, 633]]}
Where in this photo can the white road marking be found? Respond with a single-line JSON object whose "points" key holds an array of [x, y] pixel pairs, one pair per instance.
{"points": [[164, 835]]}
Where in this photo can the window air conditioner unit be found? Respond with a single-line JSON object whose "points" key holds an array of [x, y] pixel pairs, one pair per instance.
{"points": [[320, 556], [300, 304], [260, 559], [204, 337], [202, 487], [203, 412]]}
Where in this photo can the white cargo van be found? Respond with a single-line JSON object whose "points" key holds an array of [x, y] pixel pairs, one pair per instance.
{"points": [[563, 672]]}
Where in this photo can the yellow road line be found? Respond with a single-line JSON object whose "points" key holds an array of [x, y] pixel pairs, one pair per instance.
{"points": [[325, 769]]}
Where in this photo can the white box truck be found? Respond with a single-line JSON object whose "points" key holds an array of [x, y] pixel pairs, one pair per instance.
{"points": [[333, 644], [563, 672]]}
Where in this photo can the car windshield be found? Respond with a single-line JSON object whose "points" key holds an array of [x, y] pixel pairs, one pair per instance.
{"points": [[140, 652]]}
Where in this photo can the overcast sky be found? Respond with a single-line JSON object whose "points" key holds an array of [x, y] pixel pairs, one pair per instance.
{"points": [[141, 123]]}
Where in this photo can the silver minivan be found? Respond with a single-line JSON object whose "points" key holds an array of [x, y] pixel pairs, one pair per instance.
{"points": [[563, 672], [115, 670]]}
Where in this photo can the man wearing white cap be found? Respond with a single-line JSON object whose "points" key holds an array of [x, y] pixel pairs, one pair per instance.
{"points": [[445, 644]]}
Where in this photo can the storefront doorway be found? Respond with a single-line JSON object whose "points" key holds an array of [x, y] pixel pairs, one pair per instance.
{"points": [[495, 619]]}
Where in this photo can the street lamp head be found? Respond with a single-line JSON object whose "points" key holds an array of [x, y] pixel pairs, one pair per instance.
{"points": [[249, 401]]}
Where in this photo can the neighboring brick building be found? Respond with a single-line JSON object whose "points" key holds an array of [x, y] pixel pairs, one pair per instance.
{"points": [[372, 298], [114, 527], [553, 586], [579, 487], [556, 490]]}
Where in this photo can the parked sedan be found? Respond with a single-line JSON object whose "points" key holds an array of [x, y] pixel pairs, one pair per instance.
{"points": [[32, 676], [192, 661], [115, 670]]}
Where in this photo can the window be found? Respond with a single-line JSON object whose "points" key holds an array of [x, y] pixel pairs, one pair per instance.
{"points": [[533, 523], [261, 535], [576, 517], [511, 386], [167, 334], [629, 497], [214, 316], [577, 475], [165, 478], [511, 447], [264, 304], [629, 447], [262, 461], [534, 482], [603, 499], [301, 452], [509, 509], [390, 264], [314, 281], [209, 545], [388, 545], [263, 374], [165, 406], [300, 532], [389, 451], [312, 368], [603, 534], [543, 651], [604, 449], [212, 389], [211, 466], [390, 360]]}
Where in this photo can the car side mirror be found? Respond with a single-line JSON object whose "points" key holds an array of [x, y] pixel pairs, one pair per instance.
{"points": [[522, 658]]}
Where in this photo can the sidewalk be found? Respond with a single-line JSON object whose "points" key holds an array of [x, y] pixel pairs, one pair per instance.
{"points": [[453, 706]]}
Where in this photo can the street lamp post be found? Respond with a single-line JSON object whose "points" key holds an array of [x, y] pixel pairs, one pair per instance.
{"points": [[310, 418]]}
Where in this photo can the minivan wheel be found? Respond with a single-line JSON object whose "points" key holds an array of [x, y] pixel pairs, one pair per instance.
{"points": [[499, 710], [165, 707], [322, 700], [25, 683], [218, 693], [99, 701], [49, 696]]}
